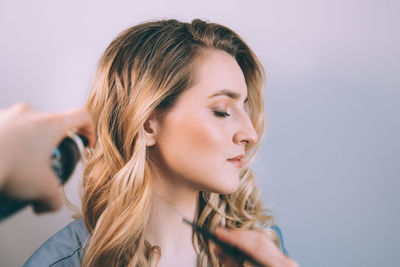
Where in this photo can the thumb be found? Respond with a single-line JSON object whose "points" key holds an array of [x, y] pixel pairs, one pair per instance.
{"points": [[49, 196]]}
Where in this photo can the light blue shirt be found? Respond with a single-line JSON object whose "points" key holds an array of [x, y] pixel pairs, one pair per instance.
{"points": [[67, 247]]}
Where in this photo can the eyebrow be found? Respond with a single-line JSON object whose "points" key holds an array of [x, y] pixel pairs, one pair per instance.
{"points": [[228, 93]]}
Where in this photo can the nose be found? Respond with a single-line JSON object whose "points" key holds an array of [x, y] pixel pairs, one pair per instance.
{"points": [[245, 134]]}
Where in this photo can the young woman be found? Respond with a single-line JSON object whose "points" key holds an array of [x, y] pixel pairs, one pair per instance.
{"points": [[179, 116]]}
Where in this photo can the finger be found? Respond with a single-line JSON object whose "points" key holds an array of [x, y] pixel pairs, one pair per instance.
{"points": [[20, 106], [217, 250], [241, 238], [80, 120], [49, 203], [226, 259], [255, 244], [49, 195]]}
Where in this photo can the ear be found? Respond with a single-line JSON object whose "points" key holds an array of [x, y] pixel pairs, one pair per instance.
{"points": [[151, 130]]}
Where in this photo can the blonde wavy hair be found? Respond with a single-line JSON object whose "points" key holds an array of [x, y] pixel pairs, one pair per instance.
{"points": [[143, 70]]}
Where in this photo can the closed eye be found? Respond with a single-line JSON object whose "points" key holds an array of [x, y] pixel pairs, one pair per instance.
{"points": [[221, 114]]}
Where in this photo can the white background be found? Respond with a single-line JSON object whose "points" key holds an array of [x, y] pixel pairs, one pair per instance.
{"points": [[330, 164]]}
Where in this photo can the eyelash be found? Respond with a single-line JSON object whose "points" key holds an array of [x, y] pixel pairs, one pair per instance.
{"points": [[221, 114]]}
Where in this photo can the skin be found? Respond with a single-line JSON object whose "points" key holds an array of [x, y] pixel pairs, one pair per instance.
{"points": [[27, 139], [196, 154], [254, 244], [191, 145]]}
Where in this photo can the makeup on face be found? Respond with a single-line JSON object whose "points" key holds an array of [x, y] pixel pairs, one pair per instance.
{"points": [[237, 161], [209, 122]]}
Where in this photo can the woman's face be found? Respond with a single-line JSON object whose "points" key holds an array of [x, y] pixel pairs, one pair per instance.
{"points": [[207, 126]]}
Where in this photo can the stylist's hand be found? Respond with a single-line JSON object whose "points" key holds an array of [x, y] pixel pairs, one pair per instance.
{"points": [[27, 139], [255, 244]]}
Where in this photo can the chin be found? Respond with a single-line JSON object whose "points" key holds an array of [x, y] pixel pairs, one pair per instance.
{"points": [[227, 191], [224, 188]]}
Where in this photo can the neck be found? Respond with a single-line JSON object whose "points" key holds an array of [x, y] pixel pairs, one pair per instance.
{"points": [[171, 203]]}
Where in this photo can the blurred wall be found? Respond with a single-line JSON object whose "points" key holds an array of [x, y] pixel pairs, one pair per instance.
{"points": [[329, 166]]}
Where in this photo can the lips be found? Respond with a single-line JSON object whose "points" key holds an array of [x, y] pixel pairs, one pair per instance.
{"points": [[237, 161], [239, 157]]}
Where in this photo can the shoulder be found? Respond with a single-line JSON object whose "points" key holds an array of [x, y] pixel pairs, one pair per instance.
{"points": [[65, 248]]}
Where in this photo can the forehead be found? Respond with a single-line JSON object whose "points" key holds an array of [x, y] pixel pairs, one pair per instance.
{"points": [[217, 70]]}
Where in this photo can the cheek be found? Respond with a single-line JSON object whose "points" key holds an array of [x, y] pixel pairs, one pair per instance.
{"points": [[194, 140], [196, 150], [204, 140]]}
